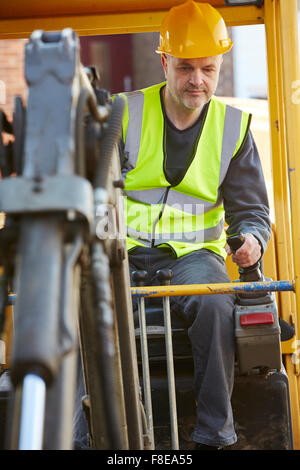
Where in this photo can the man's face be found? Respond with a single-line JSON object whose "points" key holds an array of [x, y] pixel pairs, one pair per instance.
{"points": [[191, 82]]}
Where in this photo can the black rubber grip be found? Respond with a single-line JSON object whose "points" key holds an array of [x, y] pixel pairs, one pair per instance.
{"points": [[139, 277], [164, 275]]}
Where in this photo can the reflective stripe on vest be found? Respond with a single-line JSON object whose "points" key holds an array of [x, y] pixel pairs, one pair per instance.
{"points": [[199, 201], [209, 234]]}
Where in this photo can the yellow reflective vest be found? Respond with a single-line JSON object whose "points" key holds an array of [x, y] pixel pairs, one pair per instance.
{"points": [[190, 215]]}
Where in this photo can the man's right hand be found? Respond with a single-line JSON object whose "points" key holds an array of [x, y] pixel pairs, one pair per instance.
{"points": [[248, 254]]}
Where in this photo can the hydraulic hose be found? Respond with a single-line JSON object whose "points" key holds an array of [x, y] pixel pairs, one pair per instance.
{"points": [[110, 139], [79, 134], [106, 344], [101, 284]]}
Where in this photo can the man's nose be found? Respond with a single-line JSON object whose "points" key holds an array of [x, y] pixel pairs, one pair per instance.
{"points": [[196, 77]]}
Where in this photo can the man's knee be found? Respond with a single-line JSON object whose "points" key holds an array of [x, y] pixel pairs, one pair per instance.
{"points": [[218, 304], [209, 308]]}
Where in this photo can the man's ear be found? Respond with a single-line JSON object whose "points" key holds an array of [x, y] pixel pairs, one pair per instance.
{"points": [[164, 61]]}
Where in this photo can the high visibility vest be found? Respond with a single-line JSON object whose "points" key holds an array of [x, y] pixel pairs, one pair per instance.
{"points": [[190, 215]]}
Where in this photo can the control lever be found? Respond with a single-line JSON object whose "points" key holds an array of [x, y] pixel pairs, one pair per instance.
{"points": [[251, 273], [139, 278]]}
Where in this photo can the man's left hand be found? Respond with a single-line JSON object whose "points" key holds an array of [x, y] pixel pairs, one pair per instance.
{"points": [[248, 254]]}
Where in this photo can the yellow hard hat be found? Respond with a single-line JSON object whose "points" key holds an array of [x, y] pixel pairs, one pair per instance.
{"points": [[192, 30]]}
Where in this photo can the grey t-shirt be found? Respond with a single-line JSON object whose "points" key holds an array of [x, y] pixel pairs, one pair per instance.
{"points": [[180, 147]]}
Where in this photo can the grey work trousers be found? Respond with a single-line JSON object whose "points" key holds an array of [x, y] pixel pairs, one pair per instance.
{"points": [[209, 319]]}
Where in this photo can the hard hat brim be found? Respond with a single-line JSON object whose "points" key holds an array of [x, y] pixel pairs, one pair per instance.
{"points": [[190, 54]]}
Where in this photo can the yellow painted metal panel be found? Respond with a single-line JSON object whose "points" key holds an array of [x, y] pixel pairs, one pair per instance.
{"points": [[289, 347], [94, 22], [291, 73], [30, 8], [278, 148], [281, 193]]}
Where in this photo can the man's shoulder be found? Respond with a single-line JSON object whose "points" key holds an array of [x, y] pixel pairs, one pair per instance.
{"points": [[151, 89], [228, 102]]}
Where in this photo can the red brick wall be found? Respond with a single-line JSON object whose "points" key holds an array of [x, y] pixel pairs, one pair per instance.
{"points": [[12, 80]]}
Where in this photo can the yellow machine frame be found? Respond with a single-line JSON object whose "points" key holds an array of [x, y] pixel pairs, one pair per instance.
{"points": [[18, 18]]}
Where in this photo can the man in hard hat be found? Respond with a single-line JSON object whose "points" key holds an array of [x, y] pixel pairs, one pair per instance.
{"points": [[188, 161]]}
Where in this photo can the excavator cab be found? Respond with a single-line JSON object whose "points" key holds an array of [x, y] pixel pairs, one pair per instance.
{"points": [[266, 401]]}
